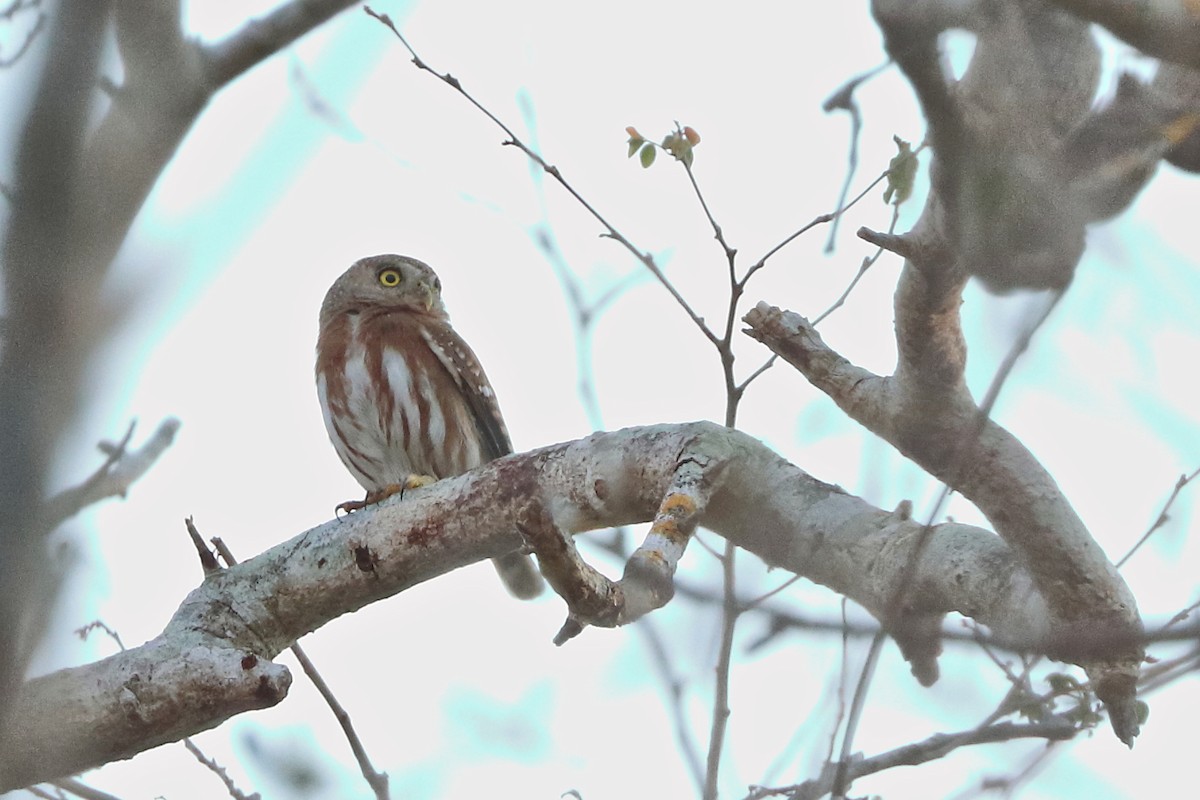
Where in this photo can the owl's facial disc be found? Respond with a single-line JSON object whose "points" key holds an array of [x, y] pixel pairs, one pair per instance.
{"points": [[418, 288]]}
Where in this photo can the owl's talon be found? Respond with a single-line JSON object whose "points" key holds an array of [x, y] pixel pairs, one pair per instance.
{"points": [[349, 507], [413, 481]]}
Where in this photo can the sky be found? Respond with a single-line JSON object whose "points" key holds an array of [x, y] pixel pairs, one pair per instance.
{"points": [[339, 148]]}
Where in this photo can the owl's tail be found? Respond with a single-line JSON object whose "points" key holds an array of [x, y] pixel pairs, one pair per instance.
{"points": [[520, 575]]}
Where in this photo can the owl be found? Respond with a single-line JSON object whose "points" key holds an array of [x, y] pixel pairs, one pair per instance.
{"points": [[405, 400]]}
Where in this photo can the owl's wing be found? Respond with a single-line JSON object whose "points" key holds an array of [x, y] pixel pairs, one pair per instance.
{"points": [[460, 361]]}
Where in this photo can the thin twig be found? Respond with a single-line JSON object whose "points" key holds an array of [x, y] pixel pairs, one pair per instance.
{"points": [[378, 781], [721, 711], [867, 263], [16, 7], [756, 602], [81, 789], [1164, 673], [724, 345], [933, 748], [718, 232], [38, 24], [1008, 785], [662, 662], [842, 780], [820, 219], [736, 288], [94, 625], [675, 694], [843, 100], [1014, 354], [708, 548], [1184, 613], [1021, 689], [1162, 518], [219, 771], [121, 469], [584, 314], [513, 140], [753, 376], [990, 652], [843, 676]]}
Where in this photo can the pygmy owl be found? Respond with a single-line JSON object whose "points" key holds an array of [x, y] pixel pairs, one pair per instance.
{"points": [[404, 398]]}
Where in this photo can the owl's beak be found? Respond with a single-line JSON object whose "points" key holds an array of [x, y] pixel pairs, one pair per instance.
{"points": [[428, 295]]}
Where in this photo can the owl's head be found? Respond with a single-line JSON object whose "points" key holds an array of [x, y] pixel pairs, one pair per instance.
{"points": [[389, 282]]}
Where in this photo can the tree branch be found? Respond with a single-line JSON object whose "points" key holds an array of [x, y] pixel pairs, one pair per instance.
{"points": [[1166, 29], [931, 749], [378, 781], [259, 39], [212, 660], [75, 195], [51, 319], [168, 80], [122, 469], [925, 411], [1020, 166]]}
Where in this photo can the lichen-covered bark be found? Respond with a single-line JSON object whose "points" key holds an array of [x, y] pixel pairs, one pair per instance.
{"points": [[242, 617]]}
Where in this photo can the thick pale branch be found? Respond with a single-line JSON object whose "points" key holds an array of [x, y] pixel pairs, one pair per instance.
{"points": [[931, 359], [977, 457], [76, 193], [947, 435], [168, 80], [648, 581], [1166, 29], [591, 598], [171, 687], [243, 616], [1022, 160], [1021, 164], [49, 324]]}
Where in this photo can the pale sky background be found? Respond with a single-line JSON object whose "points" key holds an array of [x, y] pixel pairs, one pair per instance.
{"points": [[457, 691]]}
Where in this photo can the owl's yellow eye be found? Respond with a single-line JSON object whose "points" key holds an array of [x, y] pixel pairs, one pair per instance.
{"points": [[389, 277]]}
